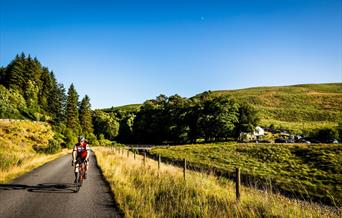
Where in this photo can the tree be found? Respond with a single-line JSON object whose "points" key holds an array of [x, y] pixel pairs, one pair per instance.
{"points": [[46, 88], [105, 124], [218, 117], [15, 74], [61, 107], [72, 120], [126, 128], [11, 103], [85, 116], [2, 75], [31, 95], [248, 119]]}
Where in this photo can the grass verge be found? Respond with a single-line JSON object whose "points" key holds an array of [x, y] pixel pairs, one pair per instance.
{"points": [[6, 175], [140, 192]]}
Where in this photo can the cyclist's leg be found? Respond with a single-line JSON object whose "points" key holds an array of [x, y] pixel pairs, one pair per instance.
{"points": [[77, 168]]}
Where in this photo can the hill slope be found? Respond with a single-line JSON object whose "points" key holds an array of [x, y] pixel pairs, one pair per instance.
{"points": [[296, 108], [18, 138]]}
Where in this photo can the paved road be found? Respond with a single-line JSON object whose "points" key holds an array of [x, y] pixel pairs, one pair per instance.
{"points": [[48, 191]]}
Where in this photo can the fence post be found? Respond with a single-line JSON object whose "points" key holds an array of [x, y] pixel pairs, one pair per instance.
{"points": [[158, 165], [134, 154], [144, 158], [127, 153], [237, 183], [184, 168]]}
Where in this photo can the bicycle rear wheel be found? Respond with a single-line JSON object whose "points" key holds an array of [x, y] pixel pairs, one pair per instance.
{"points": [[78, 186]]}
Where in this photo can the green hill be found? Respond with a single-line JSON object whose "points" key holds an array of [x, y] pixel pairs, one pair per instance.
{"points": [[298, 108], [126, 108]]}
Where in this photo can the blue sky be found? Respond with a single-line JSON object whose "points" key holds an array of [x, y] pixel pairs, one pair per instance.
{"points": [[122, 52]]}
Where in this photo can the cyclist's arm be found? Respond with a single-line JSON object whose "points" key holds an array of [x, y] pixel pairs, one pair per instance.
{"points": [[88, 151], [74, 153]]}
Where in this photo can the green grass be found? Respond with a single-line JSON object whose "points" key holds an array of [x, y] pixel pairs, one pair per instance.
{"points": [[305, 171], [291, 106], [143, 191]]}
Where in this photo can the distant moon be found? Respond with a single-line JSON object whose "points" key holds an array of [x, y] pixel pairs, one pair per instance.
{"points": [[202, 18]]}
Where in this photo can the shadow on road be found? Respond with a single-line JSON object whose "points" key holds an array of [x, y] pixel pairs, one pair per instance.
{"points": [[42, 188]]}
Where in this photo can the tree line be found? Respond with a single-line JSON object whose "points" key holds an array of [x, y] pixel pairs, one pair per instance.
{"points": [[29, 90], [176, 119]]}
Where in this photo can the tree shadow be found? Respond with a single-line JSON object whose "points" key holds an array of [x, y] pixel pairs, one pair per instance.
{"points": [[42, 188]]}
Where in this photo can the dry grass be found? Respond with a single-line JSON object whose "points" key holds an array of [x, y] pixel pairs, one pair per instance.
{"points": [[28, 165], [140, 192], [17, 139]]}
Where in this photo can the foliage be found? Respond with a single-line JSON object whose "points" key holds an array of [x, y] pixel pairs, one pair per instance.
{"points": [[105, 124], [85, 116], [72, 119], [70, 138], [11, 103], [326, 133], [53, 147], [307, 171], [91, 138], [179, 120], [248, 119]]}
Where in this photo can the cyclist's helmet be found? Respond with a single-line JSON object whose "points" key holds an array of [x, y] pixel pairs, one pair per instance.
{"points": [[81, 138]]}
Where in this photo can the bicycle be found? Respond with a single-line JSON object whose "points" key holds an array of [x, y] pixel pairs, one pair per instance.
{"points": [[80, 176]]}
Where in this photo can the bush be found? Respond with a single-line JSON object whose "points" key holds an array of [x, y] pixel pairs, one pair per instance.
{"points": [[91, 138], [53, 147], [11, 103], [70, 138], [326, 133]]}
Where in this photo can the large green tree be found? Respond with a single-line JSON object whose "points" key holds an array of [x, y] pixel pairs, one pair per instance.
{"points": [[105, 124], [85, 116], [72, 119], [248, 119]]}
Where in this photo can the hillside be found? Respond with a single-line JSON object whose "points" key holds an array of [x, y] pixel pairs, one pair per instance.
{"points": [[20, 141], [128, 108], [296, 108]]}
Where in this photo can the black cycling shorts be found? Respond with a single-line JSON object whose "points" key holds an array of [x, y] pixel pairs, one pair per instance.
{"points": [[80, 160]]}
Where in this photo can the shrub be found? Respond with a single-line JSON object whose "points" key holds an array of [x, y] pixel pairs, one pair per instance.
{"points": [[326, 133], [70, 138], [92, 139], [53, 147]]}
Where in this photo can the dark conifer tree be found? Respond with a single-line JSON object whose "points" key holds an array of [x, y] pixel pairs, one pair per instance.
{"points": [[45, 89], [15, 74], [72, 120], [85, 116]]}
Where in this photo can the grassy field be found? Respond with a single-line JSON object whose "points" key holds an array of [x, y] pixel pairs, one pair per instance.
{"points": [[305, 171], [140, 192], [17, 139], [298, 108]]}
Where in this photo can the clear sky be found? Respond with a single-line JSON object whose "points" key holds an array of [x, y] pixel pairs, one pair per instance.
{"points": [[122, 52]]}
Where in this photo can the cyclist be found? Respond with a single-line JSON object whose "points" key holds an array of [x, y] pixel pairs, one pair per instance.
{"points": [[80, 154]]}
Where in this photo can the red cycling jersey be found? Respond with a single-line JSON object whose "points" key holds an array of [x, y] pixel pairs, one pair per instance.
{"points": [[81, 149]]}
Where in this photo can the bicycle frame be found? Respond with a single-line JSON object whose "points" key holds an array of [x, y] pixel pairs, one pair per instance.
{"points": [[80, 176]]}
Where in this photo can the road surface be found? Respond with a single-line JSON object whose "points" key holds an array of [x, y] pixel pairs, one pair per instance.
{"points": [[48, 191]]}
